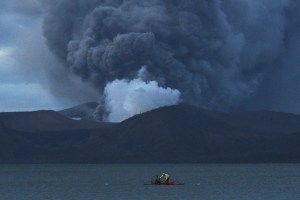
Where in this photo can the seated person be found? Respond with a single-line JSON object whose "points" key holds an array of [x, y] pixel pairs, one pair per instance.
{"points": [[157, 180], [166, 177]]}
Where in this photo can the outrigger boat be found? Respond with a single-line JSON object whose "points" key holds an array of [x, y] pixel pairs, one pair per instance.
{"points": [[163, 183]]}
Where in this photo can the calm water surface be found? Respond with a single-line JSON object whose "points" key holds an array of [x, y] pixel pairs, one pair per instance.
{"points": [[110, 182]]}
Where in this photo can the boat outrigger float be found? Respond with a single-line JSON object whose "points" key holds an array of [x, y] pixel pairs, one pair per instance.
{"points": [[164, 179], [169, 183]]}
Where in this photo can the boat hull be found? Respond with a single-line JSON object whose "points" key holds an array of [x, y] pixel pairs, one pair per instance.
{"points": [[169, 183]]}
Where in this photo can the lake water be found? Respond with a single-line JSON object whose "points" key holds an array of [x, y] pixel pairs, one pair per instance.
{"points": [[117, 182]]}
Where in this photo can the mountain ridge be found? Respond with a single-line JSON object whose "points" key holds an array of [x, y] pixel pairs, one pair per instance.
{"points": [[170, 134]]}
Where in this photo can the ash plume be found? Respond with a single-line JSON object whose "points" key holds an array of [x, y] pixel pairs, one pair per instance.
{"points": [[216, 53]]}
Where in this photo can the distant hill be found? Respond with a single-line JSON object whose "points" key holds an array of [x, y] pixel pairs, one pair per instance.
{"points": [[176, 134], [44, 120], [81, 112]]}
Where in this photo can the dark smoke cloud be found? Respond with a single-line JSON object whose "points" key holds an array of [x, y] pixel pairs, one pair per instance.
{"points": [[217, 53]]}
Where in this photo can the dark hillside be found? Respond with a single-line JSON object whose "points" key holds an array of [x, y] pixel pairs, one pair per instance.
{"points": [[177, 134], [44, 120]]}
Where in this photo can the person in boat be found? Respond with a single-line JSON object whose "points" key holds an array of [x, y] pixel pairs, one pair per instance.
{"points": [[166, 177], [157, 180]]}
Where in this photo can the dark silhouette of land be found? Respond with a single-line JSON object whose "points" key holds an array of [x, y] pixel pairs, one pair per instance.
{"points": [[172, 134]]}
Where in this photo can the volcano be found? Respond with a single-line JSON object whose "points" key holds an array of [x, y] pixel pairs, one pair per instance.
{"points": [[171, 134]]}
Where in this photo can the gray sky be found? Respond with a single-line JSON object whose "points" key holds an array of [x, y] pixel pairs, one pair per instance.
{"points": [[25, 62], [19, 91]]}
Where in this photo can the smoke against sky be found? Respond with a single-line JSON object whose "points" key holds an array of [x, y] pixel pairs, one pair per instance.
{"points": [[126, 98], [218, 54]]}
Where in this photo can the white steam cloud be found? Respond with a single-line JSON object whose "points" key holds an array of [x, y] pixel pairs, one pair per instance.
{"points": [[126, 98]]}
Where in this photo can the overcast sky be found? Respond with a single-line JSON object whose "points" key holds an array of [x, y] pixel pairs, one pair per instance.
{"points": [[25, 60], [19, 33]]}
